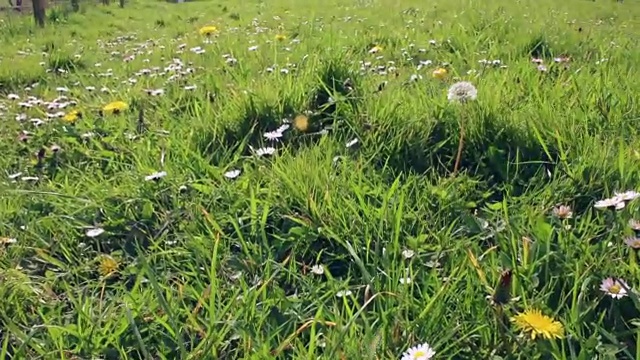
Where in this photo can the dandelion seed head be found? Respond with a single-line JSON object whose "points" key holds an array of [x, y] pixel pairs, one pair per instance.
{"points": [[462, 91]]}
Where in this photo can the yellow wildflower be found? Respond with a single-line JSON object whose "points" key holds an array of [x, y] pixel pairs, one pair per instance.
{"points": [[107, 265], [439, 73], [208, 30], [72, 116], [115, 107], [301, 123], [538, 325]]}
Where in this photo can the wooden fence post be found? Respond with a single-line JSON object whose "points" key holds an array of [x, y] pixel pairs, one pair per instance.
{"points": [[39, 11]]}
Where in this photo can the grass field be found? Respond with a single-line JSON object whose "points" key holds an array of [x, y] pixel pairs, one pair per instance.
{"points": [[275, 180]]}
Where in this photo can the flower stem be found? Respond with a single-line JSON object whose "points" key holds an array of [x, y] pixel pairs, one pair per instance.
{"points": [[456, 166]]}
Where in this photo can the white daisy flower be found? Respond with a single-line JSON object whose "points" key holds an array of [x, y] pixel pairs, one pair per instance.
{"points": [[614, 202], [155, 176], [265, 151], [627, 195], [408, 253], [420, 352], [353, 142], [273, 135], [283, 128], [616, 288], [317, 269], [232, 174], [94, 232]]}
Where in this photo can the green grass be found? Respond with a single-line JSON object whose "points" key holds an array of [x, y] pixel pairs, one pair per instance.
{"points": [[215, 268]]}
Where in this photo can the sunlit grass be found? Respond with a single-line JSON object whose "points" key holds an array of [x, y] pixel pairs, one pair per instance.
{"points": [[283, 186]]}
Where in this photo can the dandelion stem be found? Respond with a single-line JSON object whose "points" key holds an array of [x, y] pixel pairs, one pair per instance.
{"points": [[456, 166]]}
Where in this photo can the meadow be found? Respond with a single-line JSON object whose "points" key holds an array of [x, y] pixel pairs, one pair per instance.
{"points": [[354, 179]]}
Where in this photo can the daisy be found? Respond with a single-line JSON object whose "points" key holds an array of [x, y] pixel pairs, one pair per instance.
{"points": [[94, 232], [462, 91], [420, 352], [616, 288], [408, 253], [614, 202], [281, 37], [265, 151], [317, 269], [272, 135], [155, 176], [352, 143], [538, 325], [633, 242], [627, 195], [562, 212], [283, 128], [232, 174], [634, 224]]}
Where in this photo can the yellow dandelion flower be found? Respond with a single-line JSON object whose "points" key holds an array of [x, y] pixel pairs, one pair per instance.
{"points": [[72, 116], [115, 107], [281, 37], [301, 123], [208, 30], [538, 325], [107, 265], [439, 73]]}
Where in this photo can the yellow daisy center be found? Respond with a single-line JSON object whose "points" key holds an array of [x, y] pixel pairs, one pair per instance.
{"points": [[418, 354], [615, 289]]}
